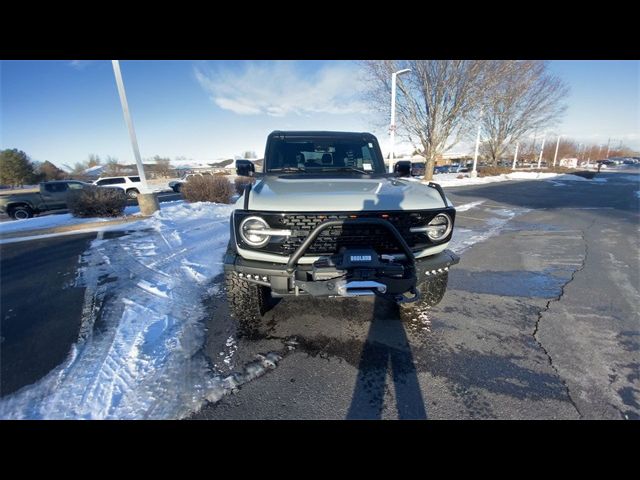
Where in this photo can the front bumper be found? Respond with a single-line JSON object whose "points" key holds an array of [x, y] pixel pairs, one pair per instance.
{"points": [[300, 281], [352, 272]]}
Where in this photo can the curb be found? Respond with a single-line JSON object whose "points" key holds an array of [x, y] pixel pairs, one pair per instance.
{"points": [[70, 228]]}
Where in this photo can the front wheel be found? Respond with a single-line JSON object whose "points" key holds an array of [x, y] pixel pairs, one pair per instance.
{"points": [[21, 213], [248, 302], [132, 193], [431, 293]]}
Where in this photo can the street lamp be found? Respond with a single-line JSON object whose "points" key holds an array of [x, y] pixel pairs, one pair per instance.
{"points": [[392, 128], [556, 155], [541, 150], [474, 171], [147, 201]]}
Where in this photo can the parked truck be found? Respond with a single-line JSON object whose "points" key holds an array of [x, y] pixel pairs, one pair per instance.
{"points": [[52, 196]]}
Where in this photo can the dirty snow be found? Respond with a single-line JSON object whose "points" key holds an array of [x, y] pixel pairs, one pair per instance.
{"points": [[465, 238], [139, 352], [56, 220], [469, 206]]}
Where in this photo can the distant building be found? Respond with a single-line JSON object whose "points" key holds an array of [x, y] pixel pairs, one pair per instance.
{"points": [[569, 162]]}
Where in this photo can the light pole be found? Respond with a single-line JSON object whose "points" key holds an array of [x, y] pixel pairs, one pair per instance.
{"points": [[541, 150], [474, 171], [556, 154], [146, 199], [392, 127], [515, 157]]}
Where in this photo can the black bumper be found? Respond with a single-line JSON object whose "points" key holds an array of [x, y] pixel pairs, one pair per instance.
{"points": [[283, 282], [338, 275]]}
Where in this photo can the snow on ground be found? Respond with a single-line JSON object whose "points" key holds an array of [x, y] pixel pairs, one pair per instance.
{"points": [[469, 206], [451, 180], [56, 220], [139, 353], [465, 238]]}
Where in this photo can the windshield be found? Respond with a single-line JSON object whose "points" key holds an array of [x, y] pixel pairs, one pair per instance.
{"points": [[324, 155]]}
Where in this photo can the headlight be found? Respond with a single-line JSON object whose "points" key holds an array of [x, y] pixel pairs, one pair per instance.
{"points": [[436, 229], [255, 232]]}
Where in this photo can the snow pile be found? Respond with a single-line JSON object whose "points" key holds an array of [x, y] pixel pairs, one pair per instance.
{"points": [[56, 220], [139, 354], [451, 180]]}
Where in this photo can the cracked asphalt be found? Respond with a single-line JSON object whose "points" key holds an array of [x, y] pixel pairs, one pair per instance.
{"points": [[540, 321]]}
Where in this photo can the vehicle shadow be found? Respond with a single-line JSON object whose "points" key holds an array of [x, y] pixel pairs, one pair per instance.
{"points": [[386, 351], [386, 348]]}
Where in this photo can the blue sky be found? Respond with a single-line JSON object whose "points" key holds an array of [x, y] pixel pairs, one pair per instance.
{"points": [[62, 110]]}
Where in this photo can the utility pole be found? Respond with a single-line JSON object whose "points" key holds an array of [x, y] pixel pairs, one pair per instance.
{"points": [[392, 127], [608, 143], [541, 150], [556, 155], [515, 157], [147, 201], [474, 171]]}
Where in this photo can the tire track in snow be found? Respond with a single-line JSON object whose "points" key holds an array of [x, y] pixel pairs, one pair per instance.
{"points": [[140, 350]]}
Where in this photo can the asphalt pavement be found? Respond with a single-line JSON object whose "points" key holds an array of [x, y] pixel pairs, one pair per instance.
{"points": [[540, 321], [40, 308]]}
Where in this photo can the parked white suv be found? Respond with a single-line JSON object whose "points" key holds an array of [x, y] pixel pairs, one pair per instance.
{"points": [[131, 185]]}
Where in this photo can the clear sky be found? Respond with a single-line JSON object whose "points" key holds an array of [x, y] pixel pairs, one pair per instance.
{"points": [[62, 111]]}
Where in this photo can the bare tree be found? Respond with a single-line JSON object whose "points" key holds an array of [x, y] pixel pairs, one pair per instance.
{"points": [[163, 166], [112, 167], [525, 98], [435, 100], [93, 160]]}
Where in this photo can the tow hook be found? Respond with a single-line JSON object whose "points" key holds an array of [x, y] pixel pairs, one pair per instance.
{"points": [[403, 299]]}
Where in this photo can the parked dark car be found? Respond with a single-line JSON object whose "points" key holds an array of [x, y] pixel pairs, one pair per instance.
{"points": [[402, 167], [418, 169], [52, 196], [441, 169]]}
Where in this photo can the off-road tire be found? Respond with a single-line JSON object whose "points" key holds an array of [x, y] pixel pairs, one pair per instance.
{"points": [[132, 193], [431, 293], [248, 302], [176, 188], [21, 212]]}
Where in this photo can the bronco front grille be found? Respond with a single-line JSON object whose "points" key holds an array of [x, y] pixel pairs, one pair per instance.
{"points": [[330, 241]]}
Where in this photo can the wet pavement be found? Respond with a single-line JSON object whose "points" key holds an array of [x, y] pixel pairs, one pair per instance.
{"points": [[540, 321]]}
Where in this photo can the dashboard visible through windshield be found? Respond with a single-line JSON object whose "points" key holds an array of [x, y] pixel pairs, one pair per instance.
{"points": [[324, 155]]}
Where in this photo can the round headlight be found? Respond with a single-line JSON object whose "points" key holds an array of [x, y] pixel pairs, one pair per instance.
{"points": [[249, 229], [439, 227]]}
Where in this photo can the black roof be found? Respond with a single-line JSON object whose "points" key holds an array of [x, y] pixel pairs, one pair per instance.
{"points": [[319, 134]]}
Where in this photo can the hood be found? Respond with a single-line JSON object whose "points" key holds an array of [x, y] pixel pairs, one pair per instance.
{"points": [[297, 194]]}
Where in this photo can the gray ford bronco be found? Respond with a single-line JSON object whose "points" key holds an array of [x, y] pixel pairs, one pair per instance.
{"points": [[325, 219]]}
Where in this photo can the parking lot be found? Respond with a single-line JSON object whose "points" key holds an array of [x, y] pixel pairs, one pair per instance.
{"points": [[539, 321]]}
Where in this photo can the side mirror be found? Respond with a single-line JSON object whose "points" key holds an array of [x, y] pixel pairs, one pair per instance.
{"points": [[402, 169], [247, 169]]}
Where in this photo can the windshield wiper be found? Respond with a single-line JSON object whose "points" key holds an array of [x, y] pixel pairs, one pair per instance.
{"points": [[347, 169], [287, 169]]}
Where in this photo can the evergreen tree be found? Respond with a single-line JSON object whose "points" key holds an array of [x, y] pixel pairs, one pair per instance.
{"points": [[15, 167]]}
